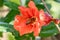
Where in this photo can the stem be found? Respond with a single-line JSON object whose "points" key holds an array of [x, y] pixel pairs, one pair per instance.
{"points": [[46, 6], [58, 27]]}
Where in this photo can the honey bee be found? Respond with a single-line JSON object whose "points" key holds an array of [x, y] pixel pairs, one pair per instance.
{"points": [[30, 21]]}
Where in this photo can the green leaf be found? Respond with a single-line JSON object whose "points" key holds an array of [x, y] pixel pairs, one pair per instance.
{"points": [[37, 1], [1, 3], [49, 30], [2, 28], [9, 28], [10, 36], [14, 11], [5, 26], [40, 6], [10, 16], [57, 1], [15, 1], [0, 34], [11, 5]]}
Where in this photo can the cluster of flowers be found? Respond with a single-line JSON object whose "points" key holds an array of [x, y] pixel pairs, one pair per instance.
{"points": [[32, 19]]}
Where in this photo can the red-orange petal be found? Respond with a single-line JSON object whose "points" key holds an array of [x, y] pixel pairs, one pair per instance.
{"points": [[41, 15], [29, 12], [31, 5], [20, 25], [25, 29], [33, 8], [23, 11], [36, 29], [19, 20]]}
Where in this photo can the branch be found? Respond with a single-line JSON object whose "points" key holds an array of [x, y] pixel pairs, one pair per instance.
{"points": [[58, 27], [46, 6]]}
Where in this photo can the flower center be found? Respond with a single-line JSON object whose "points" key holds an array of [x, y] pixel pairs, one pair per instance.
{"points": [[31, 21]]}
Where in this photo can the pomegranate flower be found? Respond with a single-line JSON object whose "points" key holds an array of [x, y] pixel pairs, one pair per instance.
{"points": [[31, 20], [45, 18]]}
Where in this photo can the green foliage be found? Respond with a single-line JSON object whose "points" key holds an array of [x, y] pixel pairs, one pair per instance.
{"points": [[11, 5], [37, 1], [13, 12], [57, 1], [0, 34], [49, 30], [11, 15], [1, 3], [15, 1], [10, 36], [40, 6], [5, 27]]}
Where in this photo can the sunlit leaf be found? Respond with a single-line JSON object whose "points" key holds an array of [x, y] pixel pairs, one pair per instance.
{"points": [[37, 1], [10, 36], [15, 1], [49, 30]]}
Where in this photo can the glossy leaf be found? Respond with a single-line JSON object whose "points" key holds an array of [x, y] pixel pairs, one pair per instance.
{"points": [[49, 30], [5, 26], [40, 6], [37, 1], [11, 5], [10, 16], [15, 1], [14, 11]]}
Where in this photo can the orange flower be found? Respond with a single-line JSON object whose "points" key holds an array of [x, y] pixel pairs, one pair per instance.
{"points": [[30, 20]]}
